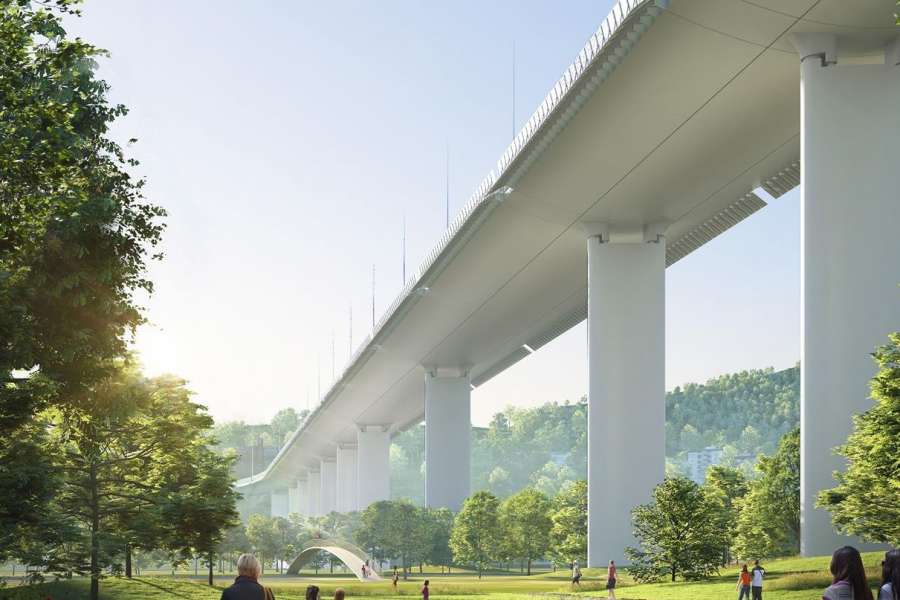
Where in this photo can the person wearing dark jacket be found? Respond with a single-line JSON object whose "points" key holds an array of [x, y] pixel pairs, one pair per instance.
{"points": [[246, 586]]}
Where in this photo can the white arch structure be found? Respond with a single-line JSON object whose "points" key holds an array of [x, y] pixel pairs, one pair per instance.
{"points": [[351, 556], [676, 121]]}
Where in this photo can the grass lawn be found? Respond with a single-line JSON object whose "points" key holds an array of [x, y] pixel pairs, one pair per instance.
{"points": [[788, 579]]}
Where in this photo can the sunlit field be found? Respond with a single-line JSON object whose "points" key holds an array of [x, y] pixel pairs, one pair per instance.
{"points": [[787, 579]]}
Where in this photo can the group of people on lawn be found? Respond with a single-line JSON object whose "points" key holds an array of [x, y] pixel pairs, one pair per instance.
{"points": [[849, 580], [610, 578]]}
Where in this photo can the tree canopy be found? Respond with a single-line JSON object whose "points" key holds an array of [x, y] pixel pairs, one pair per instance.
{"points": [[476, 538], [678, 533], [865, 500]]}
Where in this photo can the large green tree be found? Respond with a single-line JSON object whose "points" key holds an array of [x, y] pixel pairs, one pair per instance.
{"points": [[568, 533], [476, 535], [263, 537], [865, 501], [395, 529], [439, 525], [127, 452], [75, 238], [677, 532], [768, 522], [199, 505], [525, 519], [725, 486]]}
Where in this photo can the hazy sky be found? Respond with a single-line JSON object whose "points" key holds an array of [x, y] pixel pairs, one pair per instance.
{"points": [[288, 139]]}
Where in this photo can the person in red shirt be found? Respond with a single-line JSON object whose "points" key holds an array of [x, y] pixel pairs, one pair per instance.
{"points": [[743, 583], [425, 591], [611, 580]]}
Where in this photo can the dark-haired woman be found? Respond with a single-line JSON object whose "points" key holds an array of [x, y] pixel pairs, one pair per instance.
{"points": [[890, 576], [849, 576]]}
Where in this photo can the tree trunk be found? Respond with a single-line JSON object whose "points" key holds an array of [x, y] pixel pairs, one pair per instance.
{"points": [[127, 560], [211, 568], [95, 535], [529, 566]]}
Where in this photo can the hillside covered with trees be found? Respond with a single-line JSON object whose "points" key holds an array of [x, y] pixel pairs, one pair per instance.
{"points": [[745, 414]]}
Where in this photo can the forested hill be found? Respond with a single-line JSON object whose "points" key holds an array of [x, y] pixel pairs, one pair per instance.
{"points": [[744, 413]]}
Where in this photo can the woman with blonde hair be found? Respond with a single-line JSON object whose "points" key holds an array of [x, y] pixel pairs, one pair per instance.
{"points": [[246, 585]]}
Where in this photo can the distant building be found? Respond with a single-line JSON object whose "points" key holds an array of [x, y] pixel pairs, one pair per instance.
{"points": [[253, 460], [700, 460]]}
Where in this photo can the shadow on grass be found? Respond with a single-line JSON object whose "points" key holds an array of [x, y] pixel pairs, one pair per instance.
{"points": [[161, 588]]}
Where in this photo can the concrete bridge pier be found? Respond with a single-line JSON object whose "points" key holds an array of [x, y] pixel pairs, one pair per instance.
{"points": [[279, 502], [346, 478], [373, 464], [850, 213], [626, 387], [293, 497], [313, 492], [328, 471], [302, 494], [448, 437]]}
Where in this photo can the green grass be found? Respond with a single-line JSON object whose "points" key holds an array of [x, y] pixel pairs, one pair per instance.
{"points": [[787, 579]]}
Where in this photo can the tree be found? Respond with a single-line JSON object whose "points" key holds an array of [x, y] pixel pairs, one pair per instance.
{"points": [[200, 505], [119, 450], [75, 238], [677, 532], [568, 534], [526, 524], [476, 531], [263, 536], [768, 522], [283, 424], [864, 502], [395, 529], [724, 486], [439, 526]]}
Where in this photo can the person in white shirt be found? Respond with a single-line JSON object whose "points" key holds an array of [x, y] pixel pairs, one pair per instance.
{"points": [[757, 580], [576, 574]]}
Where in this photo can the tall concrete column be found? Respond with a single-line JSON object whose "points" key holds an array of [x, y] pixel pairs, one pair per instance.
{"points": [[314, 492], [626, 387], [279, 503], [850, 245], [448, 438], [373, 465], [293, 498], [328, 471], [302, 495], [346, 478]]}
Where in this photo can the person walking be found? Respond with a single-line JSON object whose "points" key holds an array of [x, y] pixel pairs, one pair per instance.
{"points": [[576, 574], [246, 585], [743, 583], [756, 584], [890, 576], [425, 590], [848, 576], [611, 581], [395, 579]]}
